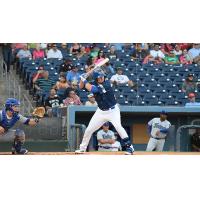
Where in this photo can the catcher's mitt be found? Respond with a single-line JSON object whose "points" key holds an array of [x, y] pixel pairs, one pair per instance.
{"points": [[38, 113]]}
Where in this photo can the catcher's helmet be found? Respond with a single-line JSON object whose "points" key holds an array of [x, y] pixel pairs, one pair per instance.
{"points": [[97, 75], [11, 102]]}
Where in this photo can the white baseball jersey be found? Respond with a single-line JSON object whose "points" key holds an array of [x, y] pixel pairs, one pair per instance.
{"points": [[157, 125], [122, 79], [154, 143]]}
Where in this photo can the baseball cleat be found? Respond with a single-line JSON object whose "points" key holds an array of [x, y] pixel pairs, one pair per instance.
{"points": [[79, 151], [23, 151], [129, 150]]}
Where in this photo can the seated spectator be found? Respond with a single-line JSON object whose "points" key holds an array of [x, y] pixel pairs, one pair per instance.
{"points": [[81, 53], [139, 53], [43, 46], [195, 141], [54, 52], [107, 140], [171, 59], [189, 85], [66, 66], [195, 53], [24, 53], [61, 87], [177, 51], [185, 58], [120, 79], [38, 53], [156, 56], [72, 99], [192, 101], [91, 100], [64, 50], [75, 48], [166, 48], [52, 104], [73, 75], [112, 54], [43, 85], [101, 56]]}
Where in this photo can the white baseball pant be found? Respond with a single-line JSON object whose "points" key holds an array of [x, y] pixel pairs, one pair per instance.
{"points": [[98, 119], [8, 136], [155, 144]]}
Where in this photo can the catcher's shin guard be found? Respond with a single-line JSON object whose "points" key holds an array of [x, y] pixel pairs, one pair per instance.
{"points": [[128, 146], [17, 147]]}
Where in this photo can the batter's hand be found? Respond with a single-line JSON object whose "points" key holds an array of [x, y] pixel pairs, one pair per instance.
{"points": [[2, 130]]}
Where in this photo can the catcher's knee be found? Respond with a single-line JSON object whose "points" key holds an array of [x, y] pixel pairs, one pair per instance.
{"points": [[19, 136]]}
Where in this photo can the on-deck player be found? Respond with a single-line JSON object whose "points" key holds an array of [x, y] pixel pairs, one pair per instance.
{"points": [[158, 129], [107, 110], [8, 118]]}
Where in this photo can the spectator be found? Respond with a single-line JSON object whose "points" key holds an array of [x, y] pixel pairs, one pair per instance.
{"points": [[120, 79], [81, 53], [139, 53], [52, 104], [195, 53], [66, 66], [192, 101], [112, 53], [171, 59], [72, 99], [107, 140], [73, 75], [38, 53], [177, 51], [156, 56], [24, 53], [189, 85], [54, 52], [185, 58], [166, 48], [195, 141], [43, 46], [91, 100], [43, 85], [75, 48], [101, 56], [64, 49], [61, 87], [7, 55]]}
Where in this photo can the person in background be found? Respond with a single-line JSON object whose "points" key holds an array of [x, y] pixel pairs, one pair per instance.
{"points": [[192, 101], [52, 104], [38, 53], [75, 48], [189, 85], [81, 53], [112, 54], [73, 75], [185, 58], [195, 141], [91, 100], [54, 52], [177, 50], [72, 99], [139, 53], [171, 59], [195, 53], [65, 66], [107, 140], [7, 55], [120, 79], [24, 53]]}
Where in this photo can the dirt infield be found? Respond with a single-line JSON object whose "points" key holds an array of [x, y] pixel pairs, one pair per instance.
{"points": [[107, 153]]}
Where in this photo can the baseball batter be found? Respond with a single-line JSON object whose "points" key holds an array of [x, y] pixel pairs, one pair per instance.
{"points": [[158, 129], [107, 110], [8, 118]]}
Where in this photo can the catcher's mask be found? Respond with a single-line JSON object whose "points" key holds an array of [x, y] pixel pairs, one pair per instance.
{"points": [[10, 102]]}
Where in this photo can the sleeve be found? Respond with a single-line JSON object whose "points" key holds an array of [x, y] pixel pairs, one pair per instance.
{"points": [[68, 76], [126, 79], [23, 119], [99, 135], [47, 103], [150, 122], [94, 89], [113, 78], [0, 115], [113, 135]]}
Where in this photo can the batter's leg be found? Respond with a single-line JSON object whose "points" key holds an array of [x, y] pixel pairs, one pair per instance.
{"points": [[160, 145], [151, 144], [115, 118], [95, 123]]}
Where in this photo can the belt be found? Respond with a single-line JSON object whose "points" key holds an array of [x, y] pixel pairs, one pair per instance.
{"points": [[108, 108], [158, 138], [108, 147]]}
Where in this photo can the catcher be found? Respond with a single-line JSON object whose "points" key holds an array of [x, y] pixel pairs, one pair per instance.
{"points": [[8, 118]]}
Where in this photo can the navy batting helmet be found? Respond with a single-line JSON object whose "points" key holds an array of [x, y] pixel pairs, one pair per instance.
{"points": [[11, 102], [97, 75]]}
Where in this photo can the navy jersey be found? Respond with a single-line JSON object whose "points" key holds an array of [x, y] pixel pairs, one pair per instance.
{"points": [[7, 123], [104, 95]]}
